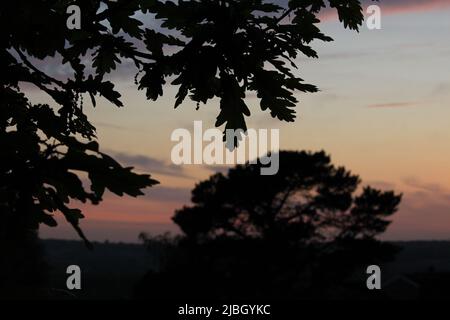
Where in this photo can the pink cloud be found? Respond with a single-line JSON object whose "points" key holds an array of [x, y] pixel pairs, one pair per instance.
{"points": [[392, 105], [393, 7], [399, 7]]}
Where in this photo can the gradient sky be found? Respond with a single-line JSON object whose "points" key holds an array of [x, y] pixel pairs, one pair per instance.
{"points": [[383, 112]]}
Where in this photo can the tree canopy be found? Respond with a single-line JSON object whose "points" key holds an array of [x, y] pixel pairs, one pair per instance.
{"points": [[209, 49], [308, 201], [309, 231]]}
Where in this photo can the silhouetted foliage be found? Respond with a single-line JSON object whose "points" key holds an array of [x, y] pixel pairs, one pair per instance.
{"points": [[300, 233], [308, 200], [211, 48]]}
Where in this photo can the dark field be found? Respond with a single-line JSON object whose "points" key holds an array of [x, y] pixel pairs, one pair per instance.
{"points": [[112, 269]]}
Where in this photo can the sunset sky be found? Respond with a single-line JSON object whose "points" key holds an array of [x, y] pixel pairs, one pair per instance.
{"points": [[383, 112]]}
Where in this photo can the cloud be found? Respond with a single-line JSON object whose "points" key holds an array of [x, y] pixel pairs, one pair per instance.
{"points": [[344, 55], [435, 192], [393, 7], [402, 6], [387, 7], [393, 105], [424, 186], [383, 185], [148, 164], [168, 194], [218, 168], [424, 212], [109, 125], [443, 88], [420, 217]]}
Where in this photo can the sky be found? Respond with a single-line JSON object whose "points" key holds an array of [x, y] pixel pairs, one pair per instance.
{"points": [[383, 112]]}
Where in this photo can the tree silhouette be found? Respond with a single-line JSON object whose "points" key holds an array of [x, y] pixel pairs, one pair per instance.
{"points": [[214, 48], [210, 48], [308, 200], [300, 233]]}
